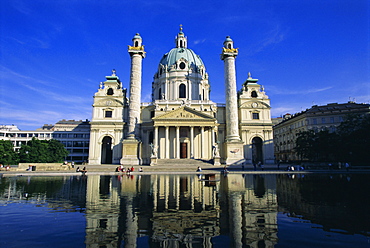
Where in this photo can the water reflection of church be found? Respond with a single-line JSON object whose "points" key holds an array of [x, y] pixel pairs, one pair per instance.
{"points": [[172, 211]]}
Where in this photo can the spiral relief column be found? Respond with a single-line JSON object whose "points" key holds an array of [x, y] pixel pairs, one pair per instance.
{"points": [[131, 153], [233, 144]]}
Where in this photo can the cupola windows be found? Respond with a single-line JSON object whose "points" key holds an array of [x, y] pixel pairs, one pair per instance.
{"points": [[182, 91], [182, 66]]}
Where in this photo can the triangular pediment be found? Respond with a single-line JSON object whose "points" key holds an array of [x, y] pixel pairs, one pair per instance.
{"points": [[184, 114]]}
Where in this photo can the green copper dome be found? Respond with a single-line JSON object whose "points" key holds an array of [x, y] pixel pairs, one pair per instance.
{"points": [[175, 54]]}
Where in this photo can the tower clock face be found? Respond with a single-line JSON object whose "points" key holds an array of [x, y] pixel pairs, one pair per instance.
{"points": [[254, 105]]}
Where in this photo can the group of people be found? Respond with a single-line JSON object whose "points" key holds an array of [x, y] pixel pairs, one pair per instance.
{"points": [[128, 170], [83, 170], [7, 167]]}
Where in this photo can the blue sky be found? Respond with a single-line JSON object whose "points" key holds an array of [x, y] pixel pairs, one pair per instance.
{"points": [[53, 54]]}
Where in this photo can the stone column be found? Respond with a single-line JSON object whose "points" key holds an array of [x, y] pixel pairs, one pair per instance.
{"points": [[233, 144], [156, 136], [131, 149], [167, 151], [137, 56], [177, 152], [213, 135], [191, 142], [232, 129], [202, 142], [235, 210]]}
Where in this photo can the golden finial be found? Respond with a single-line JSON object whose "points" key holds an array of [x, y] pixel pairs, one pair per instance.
{"points": [[180, 27]]}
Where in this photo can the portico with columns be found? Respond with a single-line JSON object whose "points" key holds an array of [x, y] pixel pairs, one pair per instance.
{"points": [[184, 133]]}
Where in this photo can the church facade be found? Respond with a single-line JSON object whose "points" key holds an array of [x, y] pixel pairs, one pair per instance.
{"points": [[181, 121]]}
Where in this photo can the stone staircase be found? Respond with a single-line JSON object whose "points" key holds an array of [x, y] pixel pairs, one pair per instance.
{"points": [[162, 165], [183, 162]]}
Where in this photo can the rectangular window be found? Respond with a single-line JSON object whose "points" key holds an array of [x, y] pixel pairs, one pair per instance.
{"points": [[314, 121], [255, 116], [108, 114], [323, 120], [331, 119]]}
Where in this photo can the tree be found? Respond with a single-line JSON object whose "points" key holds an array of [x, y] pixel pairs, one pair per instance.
{"points": [[354, 133], [351, 142], [305, 143], [7, 153], [42, 151], [57, 151]]}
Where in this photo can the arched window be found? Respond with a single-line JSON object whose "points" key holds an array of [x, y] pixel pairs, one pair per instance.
{"points": [[110, 92], [254, 94], [136, 43], [180, 43], [160, 94], [229, 46], [182, 91]]}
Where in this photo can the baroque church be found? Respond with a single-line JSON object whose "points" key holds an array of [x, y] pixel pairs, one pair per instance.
{"points": [[181, 121]]}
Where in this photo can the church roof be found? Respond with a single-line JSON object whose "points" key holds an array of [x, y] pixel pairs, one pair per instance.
{"points": [[177, 53]]}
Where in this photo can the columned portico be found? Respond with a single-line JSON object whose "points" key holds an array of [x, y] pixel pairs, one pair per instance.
{"points": [[184, 133]]}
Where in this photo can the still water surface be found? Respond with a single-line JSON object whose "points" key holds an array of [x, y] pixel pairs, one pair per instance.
{"points": [[313, 210]]}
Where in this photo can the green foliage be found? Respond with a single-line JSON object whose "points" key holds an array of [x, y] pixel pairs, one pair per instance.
{"points": [[42, 151], [305, 144], [7, 154], [351, 142], [355, 138]]}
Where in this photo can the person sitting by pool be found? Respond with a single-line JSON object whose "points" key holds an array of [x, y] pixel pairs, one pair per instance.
{"points": [[140, 169], [199, 169], [82, 171]]}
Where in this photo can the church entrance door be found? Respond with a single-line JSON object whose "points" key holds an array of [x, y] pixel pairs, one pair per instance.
{"points": [[257, 155], [183, 150], [106, 150]]}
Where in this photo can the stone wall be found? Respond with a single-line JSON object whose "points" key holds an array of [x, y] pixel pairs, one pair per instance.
{"points": [[44, 166]]}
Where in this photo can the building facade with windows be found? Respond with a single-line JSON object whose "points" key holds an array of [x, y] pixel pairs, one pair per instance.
{"points": [[74, 135], [317, 118], [181, 121]]}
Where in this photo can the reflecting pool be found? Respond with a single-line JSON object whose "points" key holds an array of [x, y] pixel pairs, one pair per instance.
{"points": [[275, 210]]}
